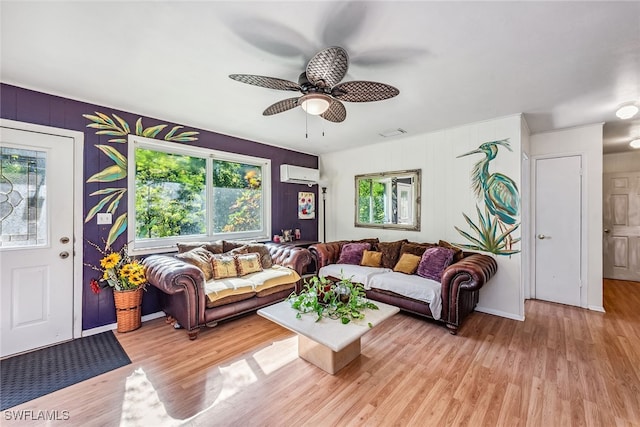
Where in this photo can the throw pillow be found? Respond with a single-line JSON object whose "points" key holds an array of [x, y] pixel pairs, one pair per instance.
{"points": [[371, 259], [248, 263], [201, 258], [434, 261], [415, 248], [224, 266], [351, 253], [390, 252], [265, 255], [407, 264], [457, 252]]}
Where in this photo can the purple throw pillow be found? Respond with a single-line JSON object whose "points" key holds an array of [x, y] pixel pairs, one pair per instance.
{"points": [[351, 253], [433, 262]]}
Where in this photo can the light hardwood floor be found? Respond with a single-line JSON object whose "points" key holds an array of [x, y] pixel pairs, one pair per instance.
{"points": [[563, 366]]}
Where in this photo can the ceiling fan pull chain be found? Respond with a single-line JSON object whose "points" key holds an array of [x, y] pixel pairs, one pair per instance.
{"points": [[306, 125]]}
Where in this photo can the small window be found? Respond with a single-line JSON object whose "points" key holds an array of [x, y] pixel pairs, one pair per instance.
{"points": [[183, 193]]}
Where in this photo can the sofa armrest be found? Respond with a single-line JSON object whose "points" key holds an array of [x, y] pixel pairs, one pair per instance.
{"points": [[174, 276], [468, 274], [289, 256], [326, 253]]}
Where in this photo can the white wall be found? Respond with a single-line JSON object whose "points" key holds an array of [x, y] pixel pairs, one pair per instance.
{"points": [[621, 162], [586, 140], [446, 193]]}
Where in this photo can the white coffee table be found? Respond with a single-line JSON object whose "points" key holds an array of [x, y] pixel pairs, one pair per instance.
{"points": [[328, 343]]}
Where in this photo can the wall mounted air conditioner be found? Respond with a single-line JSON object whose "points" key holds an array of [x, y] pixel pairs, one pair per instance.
{"points": [[299, 175]]}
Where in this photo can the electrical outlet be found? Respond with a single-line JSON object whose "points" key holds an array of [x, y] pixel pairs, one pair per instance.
{"points": [[103, 218]]}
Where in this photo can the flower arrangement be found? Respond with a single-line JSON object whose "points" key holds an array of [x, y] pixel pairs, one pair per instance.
{"points": [[119, 271], [342, 300]]}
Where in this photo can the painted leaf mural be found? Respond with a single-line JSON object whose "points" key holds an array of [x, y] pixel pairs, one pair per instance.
{"points": [[501, 198], [111, 197]]}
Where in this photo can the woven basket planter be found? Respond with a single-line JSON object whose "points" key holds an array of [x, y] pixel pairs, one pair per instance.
{"points": [[128, 309]]}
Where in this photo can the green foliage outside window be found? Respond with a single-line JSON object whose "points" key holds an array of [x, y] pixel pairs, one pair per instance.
{"points": [[371, 195], [170, 194], [237, 201]]}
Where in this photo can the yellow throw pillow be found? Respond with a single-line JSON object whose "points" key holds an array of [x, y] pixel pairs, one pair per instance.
{"points": [[224, 266], [248, 263], [407, 264], [371, 259]]}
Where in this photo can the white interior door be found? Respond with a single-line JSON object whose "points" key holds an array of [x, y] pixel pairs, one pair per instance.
{"points": [[558, 224], [36, 244], [621, 220]]}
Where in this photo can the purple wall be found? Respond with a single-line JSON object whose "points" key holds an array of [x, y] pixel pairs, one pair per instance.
{"points": [[39, 108]]}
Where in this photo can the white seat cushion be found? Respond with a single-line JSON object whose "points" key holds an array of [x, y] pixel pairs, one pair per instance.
{"points": [[411, 286], [357, 273]]}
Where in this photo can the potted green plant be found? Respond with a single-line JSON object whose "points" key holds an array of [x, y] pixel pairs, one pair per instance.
{"points": [[342, 300]]}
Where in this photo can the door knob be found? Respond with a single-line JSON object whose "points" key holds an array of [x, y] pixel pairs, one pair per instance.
{"points": [[541, 236], [64, 254], [606, 230], [64, 240]]}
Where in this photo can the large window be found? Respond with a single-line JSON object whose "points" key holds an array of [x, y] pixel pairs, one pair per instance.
{"points": [[183, 193]]}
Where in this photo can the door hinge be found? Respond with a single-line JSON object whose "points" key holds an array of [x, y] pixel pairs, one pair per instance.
{"points": [[580, 284]]}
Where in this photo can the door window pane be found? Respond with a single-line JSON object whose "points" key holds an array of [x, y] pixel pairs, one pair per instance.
{"points": [[23, 192]]}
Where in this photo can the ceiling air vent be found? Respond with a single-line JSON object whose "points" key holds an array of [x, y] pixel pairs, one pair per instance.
{"points": [[392, 132]]}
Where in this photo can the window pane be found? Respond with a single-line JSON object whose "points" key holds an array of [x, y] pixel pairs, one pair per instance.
{"points": [[23, 192], [170, 194], [237, 197], [371, 200]]}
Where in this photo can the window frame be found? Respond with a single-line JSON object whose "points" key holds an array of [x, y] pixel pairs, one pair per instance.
{"points": [[168, 244]]}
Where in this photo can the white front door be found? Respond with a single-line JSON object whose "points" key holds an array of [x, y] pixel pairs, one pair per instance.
{"points": [[621, 218], [36, 240], [558, 225]]}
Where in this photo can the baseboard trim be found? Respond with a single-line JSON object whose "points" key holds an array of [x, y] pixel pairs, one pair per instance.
{"points": [[112, 326], [596, 308], [500, 313]]}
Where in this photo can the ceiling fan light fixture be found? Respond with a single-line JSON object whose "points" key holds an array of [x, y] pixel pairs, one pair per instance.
{"points": [[635, 143], [315, 103], [626, 111]]}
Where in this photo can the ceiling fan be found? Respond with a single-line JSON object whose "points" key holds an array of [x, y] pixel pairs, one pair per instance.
{"points": [[322, 92]]}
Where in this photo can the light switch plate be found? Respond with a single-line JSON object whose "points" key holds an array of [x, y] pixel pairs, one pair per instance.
{"points": [[103, 218]]}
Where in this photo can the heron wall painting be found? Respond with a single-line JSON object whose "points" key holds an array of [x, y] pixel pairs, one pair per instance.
{"points": [[501, 199]]}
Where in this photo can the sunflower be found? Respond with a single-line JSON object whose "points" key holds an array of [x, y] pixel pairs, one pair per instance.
{"points": [[110, 261]]}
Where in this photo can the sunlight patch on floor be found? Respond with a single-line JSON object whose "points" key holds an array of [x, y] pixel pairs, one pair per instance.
{"points": [[141, 405]]}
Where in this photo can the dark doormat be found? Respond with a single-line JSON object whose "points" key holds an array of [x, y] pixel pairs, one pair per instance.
{"points": [[31, 375]]}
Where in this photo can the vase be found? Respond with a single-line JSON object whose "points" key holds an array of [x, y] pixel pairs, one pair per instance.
{"points": [[128, 309]]}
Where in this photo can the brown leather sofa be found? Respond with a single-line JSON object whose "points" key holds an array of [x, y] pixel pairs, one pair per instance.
{"points": [[461, 282], [183, 286]]}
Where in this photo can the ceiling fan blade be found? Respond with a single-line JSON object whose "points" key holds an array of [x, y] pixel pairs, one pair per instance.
{"points": [[363, 91], [328, 67], [281, 106], [336, 112], [268, 82]]}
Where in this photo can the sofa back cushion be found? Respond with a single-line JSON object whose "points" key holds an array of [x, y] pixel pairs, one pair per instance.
{"points": [[415, 248], [390, 252], [371, 259], [213, 247], [434, 261], [407, 264], [351, 253], [201, 258], [457, 252]]}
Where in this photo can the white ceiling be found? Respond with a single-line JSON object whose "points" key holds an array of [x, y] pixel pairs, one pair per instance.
{"points": [[562, 64]]}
